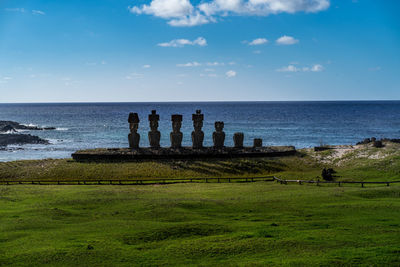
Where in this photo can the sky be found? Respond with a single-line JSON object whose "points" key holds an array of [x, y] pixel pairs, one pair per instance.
{"points": [[211, 50]]}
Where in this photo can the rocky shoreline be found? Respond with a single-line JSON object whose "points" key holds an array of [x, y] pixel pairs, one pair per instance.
{"points": [[6, 126], [9, 134]]}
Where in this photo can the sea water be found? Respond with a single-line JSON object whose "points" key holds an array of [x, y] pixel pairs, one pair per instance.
{"points": [[301, 124]]}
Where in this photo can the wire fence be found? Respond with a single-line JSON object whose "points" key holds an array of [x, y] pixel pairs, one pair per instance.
{"points": [[152, 181]]}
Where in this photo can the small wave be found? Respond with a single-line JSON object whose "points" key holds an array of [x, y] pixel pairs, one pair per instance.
{"points": [[30, 125], [9, 132], [62, 129]]}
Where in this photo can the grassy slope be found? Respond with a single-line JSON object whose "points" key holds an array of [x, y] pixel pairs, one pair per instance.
{"points": [[363, 165], [200, 224], [203, 224]]}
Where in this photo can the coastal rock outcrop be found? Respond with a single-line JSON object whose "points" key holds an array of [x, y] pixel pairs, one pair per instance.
{"points": [[20, 139], [17, 126], [9, 135]]}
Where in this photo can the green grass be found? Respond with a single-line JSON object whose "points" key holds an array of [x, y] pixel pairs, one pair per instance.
{"points": [[261, 223], [229, 224], [303, 166]]}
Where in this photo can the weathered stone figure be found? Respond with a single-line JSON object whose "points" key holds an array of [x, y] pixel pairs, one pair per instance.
{"points": [[238, 140], [154, 134], [133, 136], [219, 135], [257, 142], [176, 135], [197, 134]]}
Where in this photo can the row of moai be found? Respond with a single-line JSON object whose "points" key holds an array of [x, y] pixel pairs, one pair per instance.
{"points": [[176, 135]]}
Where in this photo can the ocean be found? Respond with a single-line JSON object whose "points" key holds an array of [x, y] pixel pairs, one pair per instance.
{"points": [[301, 124]]}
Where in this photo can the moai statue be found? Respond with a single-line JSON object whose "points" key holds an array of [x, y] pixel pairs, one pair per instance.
{"points": [[257, 142], [176, 135], [154, 134], [219, 135], [133, 136], [197, 134], [238, 140]]}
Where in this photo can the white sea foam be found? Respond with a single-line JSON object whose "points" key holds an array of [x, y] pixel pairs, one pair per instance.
{"points": [[30, 125], [62, 129]]}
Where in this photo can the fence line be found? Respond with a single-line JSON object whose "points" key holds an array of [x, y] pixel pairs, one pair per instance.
{"points": [[151, 181], [141, 181], [339, 183]]}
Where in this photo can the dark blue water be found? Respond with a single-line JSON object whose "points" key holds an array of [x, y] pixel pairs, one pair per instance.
{"points": [[302, 124]]}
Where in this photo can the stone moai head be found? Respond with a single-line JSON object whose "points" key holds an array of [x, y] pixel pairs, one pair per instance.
{"points": [[238, 140], [219, 126], [133, 120], [197, 119], [257, 142], [176, 122], [154, 118]]}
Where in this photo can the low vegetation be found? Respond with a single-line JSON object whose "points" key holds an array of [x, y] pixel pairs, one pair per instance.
{"points": [[361, 163], [262, 223]]}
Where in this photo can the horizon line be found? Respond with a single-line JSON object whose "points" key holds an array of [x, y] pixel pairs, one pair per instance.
{"points": [[202, 101]]}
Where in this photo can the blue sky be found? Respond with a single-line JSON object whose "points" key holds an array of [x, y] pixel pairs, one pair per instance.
{"points": [[214, 50]]}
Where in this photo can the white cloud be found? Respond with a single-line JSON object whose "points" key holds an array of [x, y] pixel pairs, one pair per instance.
{"points": [[189, 64], [38, 12], [209, 70], [22, 10], [183, 13], [134, 75], [211, 75], [258, 41], [165, 8], [146, 66], [5, 79], [292, 68], [215, 64], [200, 41], [317, 68], [191, 20], [230, 73], [286, 40]]}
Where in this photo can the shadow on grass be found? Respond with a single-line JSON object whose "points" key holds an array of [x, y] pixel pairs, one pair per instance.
{"points": [[231, 167]]}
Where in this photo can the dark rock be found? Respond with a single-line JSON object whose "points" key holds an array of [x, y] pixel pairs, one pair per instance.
{"points": [[8, 128], [176, 136], [154, 134], [257, 142], [238, 140], [322, 148], [377, 144], [184, 153], [133, 136], [20, 139], [219, 135], [327, 174], [197, 134], [18, 126], [364, 142]]}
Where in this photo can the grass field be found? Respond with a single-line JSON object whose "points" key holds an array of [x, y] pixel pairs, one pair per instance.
{"points": [[261, 223], [361, 164], [251, 224]]}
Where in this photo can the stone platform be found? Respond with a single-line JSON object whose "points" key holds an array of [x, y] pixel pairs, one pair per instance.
{"points": [[128, 154]]}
